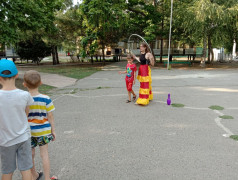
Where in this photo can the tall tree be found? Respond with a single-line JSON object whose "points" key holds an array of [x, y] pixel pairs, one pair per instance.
{"points": [[105, 20], [19, 16]]}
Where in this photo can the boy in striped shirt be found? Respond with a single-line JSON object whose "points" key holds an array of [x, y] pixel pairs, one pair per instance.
{"points": [[41, 122]]}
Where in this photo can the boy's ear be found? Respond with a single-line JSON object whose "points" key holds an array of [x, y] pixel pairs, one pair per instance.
{"points": [[41, 83], [24, 84], [17, 76]]}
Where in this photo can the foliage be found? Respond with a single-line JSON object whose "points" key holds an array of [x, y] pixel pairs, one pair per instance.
{"points": [[19, 16], [70, 28], [215, 107], [34, 49], [177, 105], [226, 117], [95, 24], [234, 137], [215, 19], [104, 23]]}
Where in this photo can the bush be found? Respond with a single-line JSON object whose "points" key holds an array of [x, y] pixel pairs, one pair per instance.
{"points": [[34, 50]]}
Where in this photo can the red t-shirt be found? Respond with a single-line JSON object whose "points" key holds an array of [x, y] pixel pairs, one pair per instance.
{"points": [[130, 70]]}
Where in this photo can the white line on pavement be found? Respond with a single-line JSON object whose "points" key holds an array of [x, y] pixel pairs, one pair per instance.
{"points": [[232, 108], [218, 122], [196, 108], [218, 112], [95, 96]]}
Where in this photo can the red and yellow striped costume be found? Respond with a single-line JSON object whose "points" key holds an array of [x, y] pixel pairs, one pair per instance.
{"points": [[145, 93]]}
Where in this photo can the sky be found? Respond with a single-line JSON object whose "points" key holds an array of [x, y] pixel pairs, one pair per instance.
{"points": [[76, 1]]}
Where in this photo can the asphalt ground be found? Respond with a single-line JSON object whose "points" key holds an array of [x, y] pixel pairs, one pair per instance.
{"points": [[100, 137]]}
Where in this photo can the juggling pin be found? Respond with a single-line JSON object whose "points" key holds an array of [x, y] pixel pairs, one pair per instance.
{"points": [[168, 100]]}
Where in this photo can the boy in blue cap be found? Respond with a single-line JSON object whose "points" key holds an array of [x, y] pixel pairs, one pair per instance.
{"points": [[15, 136]]}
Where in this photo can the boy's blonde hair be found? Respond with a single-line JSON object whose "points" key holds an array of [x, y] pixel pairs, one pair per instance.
{"points": [[32, 79], [130, 56]]}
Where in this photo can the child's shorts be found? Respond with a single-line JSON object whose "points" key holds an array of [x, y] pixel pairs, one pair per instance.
{"points": [[129, 86], [19, 154], [41, 141]]}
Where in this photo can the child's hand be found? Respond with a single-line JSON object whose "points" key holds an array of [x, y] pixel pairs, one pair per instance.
{"points": [[54, 136], [119, 72]]}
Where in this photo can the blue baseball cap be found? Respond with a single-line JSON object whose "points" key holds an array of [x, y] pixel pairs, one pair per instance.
{"points": [[7, 65]]}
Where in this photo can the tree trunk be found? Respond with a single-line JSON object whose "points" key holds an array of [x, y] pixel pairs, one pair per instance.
{"points": [[56, 55], [103, 55], [204, 52], [212, 60], [91, 59], [209, 49], [234, 50], [155, 2], [53, 55]]}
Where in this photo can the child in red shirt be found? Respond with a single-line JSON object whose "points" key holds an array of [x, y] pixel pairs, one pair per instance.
{"points": [[130, 77]]}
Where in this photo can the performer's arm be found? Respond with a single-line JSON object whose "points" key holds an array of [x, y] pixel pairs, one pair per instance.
{"points": [[134, 78], [138, 59], [152, 59]]}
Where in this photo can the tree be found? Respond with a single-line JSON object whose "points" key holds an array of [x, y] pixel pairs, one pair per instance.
{"points": [[231, 25], [211, 23], [33, 49], [19, 16], [70, 25], [104, 23], [200, 22]]}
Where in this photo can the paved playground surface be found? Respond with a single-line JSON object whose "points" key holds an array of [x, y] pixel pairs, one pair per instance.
{"points": [[100, 137]]}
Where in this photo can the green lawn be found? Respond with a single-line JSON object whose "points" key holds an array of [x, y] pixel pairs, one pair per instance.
{"points": [[216, 107], [70, 71], [44, 89]]}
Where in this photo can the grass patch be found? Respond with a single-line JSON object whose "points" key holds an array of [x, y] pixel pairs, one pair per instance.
{"points": [[215, 107], [74, 91], [234, 137], [226, 117], [103, 87], [44, 89], [71, 71], [95, 88], [177, 105]]}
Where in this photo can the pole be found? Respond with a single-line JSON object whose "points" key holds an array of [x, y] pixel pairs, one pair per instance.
{"points": [[171, 15]]}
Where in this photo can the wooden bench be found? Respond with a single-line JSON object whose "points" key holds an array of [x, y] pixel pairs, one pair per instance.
{"points": [[178, 62]]}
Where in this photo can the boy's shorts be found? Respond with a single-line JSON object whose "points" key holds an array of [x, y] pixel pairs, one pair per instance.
{"points": [[41, 141], [19, 154], [129, 86]]}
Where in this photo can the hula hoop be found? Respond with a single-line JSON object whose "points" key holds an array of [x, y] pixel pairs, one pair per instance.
{"points": [[141, 39]]}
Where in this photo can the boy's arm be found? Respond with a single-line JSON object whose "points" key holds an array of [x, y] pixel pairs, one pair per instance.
{"points": [[27, 110], [52, 124], [122, 72], [134, 77]]}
